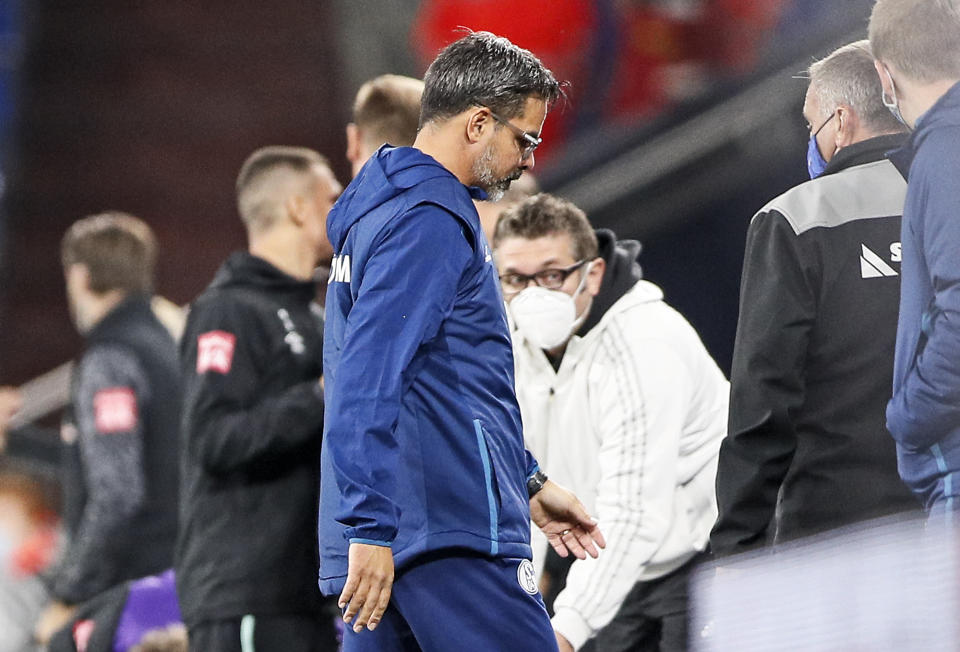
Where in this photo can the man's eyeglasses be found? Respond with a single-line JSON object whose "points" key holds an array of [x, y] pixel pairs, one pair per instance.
{"points": [[527, 142], [551, 279]]}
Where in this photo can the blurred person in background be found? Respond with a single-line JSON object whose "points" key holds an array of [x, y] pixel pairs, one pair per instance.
{"points": [[622, 402], [28, 533], [916, 44], [118, 619], [386, 111], [120, 479], [424, 476], [813, 355], [253, 417]]}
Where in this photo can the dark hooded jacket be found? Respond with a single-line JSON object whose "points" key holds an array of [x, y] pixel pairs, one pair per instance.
{"points": [[253, 412], [924, 414], [423, 449]]}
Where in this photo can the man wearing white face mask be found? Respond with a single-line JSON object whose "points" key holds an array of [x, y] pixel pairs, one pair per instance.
{"points": [[916, 44], [621, 399]]}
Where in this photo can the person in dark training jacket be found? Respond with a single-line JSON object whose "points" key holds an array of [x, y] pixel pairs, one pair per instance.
{"points": [[120, 481], [253, 414], [813, 356]]}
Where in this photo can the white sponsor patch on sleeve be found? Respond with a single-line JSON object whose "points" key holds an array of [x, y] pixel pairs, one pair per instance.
{"points": [[115, 410], [215, 352]]}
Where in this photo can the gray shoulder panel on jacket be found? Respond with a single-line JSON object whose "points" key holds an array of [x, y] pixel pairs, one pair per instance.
{"points": [[858, 193]]}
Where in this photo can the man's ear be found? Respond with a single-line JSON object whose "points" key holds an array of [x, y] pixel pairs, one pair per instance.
{"points": [[479, 122], [77, 276], [885, 81], [296, 208], [353, 142], [847, 128], [595, 277]]}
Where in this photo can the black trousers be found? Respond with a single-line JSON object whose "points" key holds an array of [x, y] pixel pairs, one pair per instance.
{"points": [[653, 617], [276, 633]]}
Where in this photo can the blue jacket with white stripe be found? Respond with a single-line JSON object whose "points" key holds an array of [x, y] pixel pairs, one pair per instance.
{"points": [[423, 446]]}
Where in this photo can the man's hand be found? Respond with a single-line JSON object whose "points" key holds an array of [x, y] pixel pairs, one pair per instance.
{"points": [[566, 523], [563, 643], [10, 402], [54, 617], [369, 581]]}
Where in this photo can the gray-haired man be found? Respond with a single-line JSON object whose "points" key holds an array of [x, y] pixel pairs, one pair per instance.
{"points": [[818, 310]]}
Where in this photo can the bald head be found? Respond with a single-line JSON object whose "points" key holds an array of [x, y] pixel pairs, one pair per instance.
{"points": [[270, 178]]}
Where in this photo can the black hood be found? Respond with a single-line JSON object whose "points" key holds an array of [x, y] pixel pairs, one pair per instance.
{"points": [[245, 269], [622, 273]]}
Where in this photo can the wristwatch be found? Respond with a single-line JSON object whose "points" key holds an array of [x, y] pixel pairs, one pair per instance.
{"points": [[535, 483]]}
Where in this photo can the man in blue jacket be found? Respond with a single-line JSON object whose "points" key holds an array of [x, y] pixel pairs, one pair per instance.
{"points": [[423, 469], [916, 44]]}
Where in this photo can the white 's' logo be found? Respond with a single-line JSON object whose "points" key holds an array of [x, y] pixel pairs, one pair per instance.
{"points": [[339, 269], [527, 577], [872, 265]]}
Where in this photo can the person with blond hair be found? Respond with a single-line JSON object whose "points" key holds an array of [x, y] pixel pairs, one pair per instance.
{"points": [[916, 44]]}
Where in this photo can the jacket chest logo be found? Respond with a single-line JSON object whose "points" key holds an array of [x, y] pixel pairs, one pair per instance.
{"points": [[873, 266], [293, 339], [339, 269]]}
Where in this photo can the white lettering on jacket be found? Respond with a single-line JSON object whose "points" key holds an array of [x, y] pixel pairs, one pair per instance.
{"points": [[339, 269]]}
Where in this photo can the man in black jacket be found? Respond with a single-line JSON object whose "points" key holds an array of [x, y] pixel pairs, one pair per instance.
{"points": [[813, 356], [120, 437], [253, 418]]}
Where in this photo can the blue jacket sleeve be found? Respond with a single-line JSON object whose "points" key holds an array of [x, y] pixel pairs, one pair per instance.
{"points": [[407, 287], [927, 404]]}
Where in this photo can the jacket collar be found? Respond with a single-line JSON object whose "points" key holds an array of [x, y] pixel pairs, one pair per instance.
{"points": [[866, 151]]}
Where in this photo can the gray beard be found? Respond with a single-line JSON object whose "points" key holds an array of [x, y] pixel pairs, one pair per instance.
{"points": [[483, 173]]}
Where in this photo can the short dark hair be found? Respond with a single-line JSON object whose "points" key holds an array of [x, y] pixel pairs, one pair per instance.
{"points": [[543, 215], [482, 69], [255, 209], [118, 250], [387, 109]]}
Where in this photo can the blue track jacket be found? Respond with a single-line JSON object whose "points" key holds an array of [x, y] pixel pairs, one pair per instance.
{"points": [[924, 413], [423, 446]]}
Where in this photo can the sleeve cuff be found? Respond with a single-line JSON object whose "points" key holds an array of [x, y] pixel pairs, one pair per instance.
{"points": [[532, 472], [371, 542], [573, 627]]}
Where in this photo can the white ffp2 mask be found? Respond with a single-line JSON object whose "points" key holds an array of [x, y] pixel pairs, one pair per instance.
{"points": [[547, 318]]}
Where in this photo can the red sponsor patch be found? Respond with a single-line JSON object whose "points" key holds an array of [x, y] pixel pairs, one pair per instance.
{"points": [[215, 352], [82, 631], [115, 410]]}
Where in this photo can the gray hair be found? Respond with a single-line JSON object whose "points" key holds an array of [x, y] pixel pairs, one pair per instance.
{"points": [[920, 37], [847, 76], [482, 69]]}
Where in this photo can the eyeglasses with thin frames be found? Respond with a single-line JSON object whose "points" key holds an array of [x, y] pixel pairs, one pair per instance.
{"points": [[551, 279], [527, 142]]}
